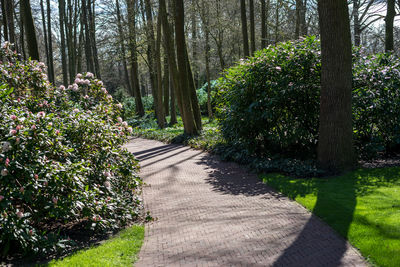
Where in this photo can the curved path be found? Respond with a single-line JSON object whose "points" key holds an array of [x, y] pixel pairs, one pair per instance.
{"points": [[213, 213]]}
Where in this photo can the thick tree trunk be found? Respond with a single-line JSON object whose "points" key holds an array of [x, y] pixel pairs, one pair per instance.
{"points": [[160, 99], [189, 123], [244, 28], [252, 28], [9, 8], [5, 27], [61, 10], [335, 145], [194, 44], [193, 96], [50, 45], [123, 50], [278, 4], [166, 85], [134, 62], [92, 35], [263, 24], [301, 26], [88, 44], [172, 104], [31, 40], [44, 32], [389, 21]]}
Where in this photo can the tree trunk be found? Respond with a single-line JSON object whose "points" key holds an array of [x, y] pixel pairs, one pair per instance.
{"points": [[123, 50], [389, 20], [252, 28], [194, 44], [92, 36], [44, 32], [244, 28], [166, 84], [88, 44], [263, 24], [172, 104], [189, 119], [50, 45], [193, 95], [357, 26], [61, 10], [335, 145], [134, 62], [278, 4], [3, 11], [31, 40], [160, 102], [9, 7]]}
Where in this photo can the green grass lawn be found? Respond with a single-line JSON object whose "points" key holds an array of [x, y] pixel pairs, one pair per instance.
{"points": [[121, 250], [207, 140], [363, 206]]}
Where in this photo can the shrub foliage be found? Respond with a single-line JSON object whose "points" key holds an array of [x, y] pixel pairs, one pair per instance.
{"points": [[269, 103], [61, 158]]}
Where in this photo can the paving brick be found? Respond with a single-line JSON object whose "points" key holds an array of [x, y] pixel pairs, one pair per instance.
{"points": [[214, 213]]}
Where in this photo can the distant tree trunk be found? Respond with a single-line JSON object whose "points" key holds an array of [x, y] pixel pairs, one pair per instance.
{"points": [[50, 45], [22, 37], [160, 102], [9, 7], [301, 26], [172, 104], [252, 28], [263, 24], [193, 95], [357, 26], [278, 3], [61, 11], [31, 40], [134, 62], [92, 36], [389, 21], [335, 145], [194, 44], [244, 28], [189, 124], [166, 85], [123, 50], [88, 44], [3, 11], [44, 32], [170, 51]]}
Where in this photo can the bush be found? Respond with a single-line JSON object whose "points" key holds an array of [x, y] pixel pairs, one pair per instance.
{"points": [[61, 158], [269, 104], [202, 96]]}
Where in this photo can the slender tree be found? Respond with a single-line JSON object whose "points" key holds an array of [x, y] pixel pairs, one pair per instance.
{"points": [[9, 8], [252, 27], [61, 11], [160, 100], [4, 13], [44, 32], [264, 23], [244, 28], [50, 44], [389, 21], [335, 145], [29, 26]]}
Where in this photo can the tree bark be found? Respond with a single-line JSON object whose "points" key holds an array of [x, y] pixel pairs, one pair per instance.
{"points": [[263, 24], [9, 7], [194, 44], [134, 62], [335, 145], [5, 27], [61, 10], [160, 102], [189, 119], [31, 40], [172, 104], [92, 36], [88, 44], [244, 28], [44, 32], [166, 84], [389, 21], [123, 50], [357, 26], [50, 45], [252, 28]]}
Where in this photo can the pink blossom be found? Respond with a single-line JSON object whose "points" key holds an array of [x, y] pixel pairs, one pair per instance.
{"points": [[119, 119], [124, 123], [22, 189], [86, 97], [19, 127], [55, 200], [41, 114], [13, 132], [76, 110], [13, 117], [1, 197], [130, 129], [86, 81], [57, 132], [20, 214], [36, 176], [107, 174], [33, 127], [119, 105], [89, 75], [278, 68], [7, 162], [45, 183], [30, 232], [104, 90], [79, 76], [50, 124], [62, 87], [17, 140], [107, 184]]}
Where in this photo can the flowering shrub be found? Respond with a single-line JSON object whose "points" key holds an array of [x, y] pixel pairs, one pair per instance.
{"points": [[269, 104], [61, 158]]}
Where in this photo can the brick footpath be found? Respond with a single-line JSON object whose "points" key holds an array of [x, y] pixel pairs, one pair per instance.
{"points": [[213, 213]]}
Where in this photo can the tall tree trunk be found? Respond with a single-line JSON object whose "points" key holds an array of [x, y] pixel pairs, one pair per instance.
{"points": [[193, 95], [88, 44], [252, 27], [61, 11], [123, 50], [278, 4], [194, 44], [170, 51], [134, 62], [301, 26], [166, 83], [189, 123], [92, 36], [264, 24], [389, 21], [335, 145], [9, 7], [244, 28], [45, 32], [5, 27], [31, 40], [172, 104], [160, 102], [70, 23], [357, 25], [50, 45]]}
